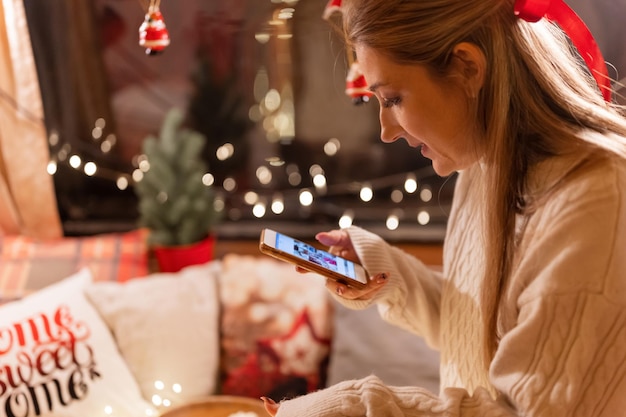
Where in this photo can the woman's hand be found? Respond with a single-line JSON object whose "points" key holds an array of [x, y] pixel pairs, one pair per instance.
{"points": [[340, 244], [270, 406]]}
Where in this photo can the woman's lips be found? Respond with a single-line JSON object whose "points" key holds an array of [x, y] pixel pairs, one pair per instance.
{"points": [[423, 150], [420, 146]]}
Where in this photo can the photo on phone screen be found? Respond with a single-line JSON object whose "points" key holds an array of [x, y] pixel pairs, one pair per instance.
{"points": [[287, 248]]}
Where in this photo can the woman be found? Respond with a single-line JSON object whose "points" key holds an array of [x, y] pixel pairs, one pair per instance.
{"points": [[530, 311]]}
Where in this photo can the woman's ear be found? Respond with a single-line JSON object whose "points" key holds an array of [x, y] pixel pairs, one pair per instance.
{"points": [[470, 64]]}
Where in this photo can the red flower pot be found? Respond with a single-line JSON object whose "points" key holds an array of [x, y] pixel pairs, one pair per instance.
{"points": [[175, 258]]}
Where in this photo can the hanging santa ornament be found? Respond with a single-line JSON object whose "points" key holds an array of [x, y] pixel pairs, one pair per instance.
{"points": [[153, 34], [356, 86], [333, 6]]}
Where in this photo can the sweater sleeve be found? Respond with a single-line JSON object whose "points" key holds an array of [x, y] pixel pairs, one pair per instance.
{"points": [[411, 298], [370, 397]]}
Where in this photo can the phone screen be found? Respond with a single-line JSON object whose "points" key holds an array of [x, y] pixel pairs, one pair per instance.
{"points": [[309, 253]]}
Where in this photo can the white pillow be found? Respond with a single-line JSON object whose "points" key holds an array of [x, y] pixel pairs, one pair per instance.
{"points": [[166, 327], [57, 358], [364, 344]]}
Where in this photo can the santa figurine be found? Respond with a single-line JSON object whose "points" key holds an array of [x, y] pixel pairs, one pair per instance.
{"points": [[153, 34], [356, 86], [332, 7]]}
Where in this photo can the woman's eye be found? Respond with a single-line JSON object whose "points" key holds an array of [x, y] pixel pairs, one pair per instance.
{"points": [[389, 102]]}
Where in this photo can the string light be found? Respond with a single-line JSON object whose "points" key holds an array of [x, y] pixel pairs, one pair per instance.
{"points": [[332, 147], [52, 167], [219, 204], [410, 184], [366, 193], [137, 175], [265, 176], [122, 183], [229, 184], [397, 196], [250, 197], [392, 222], [165, 398], [259, 209], [208, 179], [90, 169], [346, 219], [278, 204], [225, 151], [294, 178], [426, 194], [319, 181], [306, 198], [75, 161], [423, 217], [143, 164]]}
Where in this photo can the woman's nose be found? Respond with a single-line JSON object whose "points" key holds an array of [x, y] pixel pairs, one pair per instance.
{"points": [[389, 129]]}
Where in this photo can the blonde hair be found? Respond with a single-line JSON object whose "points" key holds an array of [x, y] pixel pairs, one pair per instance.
{"points": [[538, 100]]}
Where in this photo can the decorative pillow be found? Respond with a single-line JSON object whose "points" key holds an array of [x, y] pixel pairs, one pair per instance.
{"points": [[276, 328], [365, 344], [167, 330], [27, 264], [57, 358]]}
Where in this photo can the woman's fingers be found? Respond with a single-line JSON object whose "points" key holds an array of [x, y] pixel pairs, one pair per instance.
{"points": [[375, 283], [270, 406], [339, 244], [333, 238]]}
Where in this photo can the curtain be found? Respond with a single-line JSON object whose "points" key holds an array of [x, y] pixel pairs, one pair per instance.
{"points": [[68, 44], [27, 197]]}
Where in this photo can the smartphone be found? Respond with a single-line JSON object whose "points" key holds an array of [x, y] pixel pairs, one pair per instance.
{"points": [[288, 249]]}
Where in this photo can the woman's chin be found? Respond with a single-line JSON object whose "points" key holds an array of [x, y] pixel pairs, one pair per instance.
{"points": [[442, 169]]}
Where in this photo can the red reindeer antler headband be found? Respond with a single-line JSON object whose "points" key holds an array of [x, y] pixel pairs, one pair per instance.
{"points": [[560, 13]]}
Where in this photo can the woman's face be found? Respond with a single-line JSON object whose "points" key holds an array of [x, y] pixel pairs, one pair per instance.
{"points": [[428, 112]]}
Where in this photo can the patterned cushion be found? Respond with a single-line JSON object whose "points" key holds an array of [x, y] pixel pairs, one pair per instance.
{"points": [[276, 328]]}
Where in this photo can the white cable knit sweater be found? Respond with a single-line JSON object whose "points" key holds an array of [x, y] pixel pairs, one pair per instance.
{"points": [[563, 352]]}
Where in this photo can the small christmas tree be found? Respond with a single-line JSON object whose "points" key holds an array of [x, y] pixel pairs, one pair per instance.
{"points": [[174, 203]]}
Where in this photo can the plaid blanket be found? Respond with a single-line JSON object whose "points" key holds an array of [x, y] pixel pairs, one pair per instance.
{"points": [[27, 265]]}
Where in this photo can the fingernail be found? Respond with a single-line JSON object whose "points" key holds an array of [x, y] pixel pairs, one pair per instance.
{"points": [[382, 278], [268, 400], [339, 290]]}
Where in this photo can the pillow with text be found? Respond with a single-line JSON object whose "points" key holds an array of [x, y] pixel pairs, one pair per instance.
{"points": [[58, 358]]}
